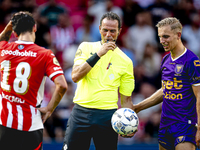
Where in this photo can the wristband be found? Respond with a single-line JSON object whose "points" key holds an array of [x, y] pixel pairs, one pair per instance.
{"points": [[93, 60]]}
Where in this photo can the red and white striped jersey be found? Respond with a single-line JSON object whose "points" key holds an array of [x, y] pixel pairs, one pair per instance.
{"points": [[24, 68]]}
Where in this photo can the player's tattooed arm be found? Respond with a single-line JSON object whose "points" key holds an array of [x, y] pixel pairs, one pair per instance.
{"points": [[6, 33]]}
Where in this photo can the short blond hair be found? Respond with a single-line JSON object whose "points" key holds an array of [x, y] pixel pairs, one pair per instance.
{"points": [[175, 24]]}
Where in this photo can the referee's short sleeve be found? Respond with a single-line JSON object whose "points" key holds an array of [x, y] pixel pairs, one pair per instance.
{"points": [[81, 54], [127, 82]]}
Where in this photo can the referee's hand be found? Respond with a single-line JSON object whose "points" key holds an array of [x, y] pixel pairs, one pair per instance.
{"points": [[129, 135], [106, 47]]}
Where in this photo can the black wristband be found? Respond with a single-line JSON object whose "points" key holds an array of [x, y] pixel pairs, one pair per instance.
{"points": [[93, 60]]}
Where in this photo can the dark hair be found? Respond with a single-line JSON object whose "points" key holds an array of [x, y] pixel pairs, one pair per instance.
{"points": [[22, 22], [111, 16]]}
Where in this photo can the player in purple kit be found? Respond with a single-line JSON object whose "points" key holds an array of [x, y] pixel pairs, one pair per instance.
{"points": [[180, 92]]}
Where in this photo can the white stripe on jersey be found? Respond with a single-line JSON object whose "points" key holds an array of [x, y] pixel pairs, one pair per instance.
{"points": [[32, 114], [10, 115], [0, 107], [23, 42], [40, 93], [197, 84], [36, 123], [20, 117], [55, 73]]}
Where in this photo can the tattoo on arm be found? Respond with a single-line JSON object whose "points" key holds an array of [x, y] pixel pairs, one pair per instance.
{"points": [[5, 36]]}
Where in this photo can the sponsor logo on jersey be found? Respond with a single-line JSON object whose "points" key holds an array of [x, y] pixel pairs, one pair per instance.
{"points": [[56, 68], [177, 84], [169, 85], [55, 61], [173, 96], [18, 53], [12, 98], [20, 47]]}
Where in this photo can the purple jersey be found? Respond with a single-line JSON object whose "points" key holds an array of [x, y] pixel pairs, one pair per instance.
{"points": [[178, 76]]}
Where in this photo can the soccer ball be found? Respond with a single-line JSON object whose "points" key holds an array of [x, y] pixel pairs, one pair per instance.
{"points": [[124, 121]]}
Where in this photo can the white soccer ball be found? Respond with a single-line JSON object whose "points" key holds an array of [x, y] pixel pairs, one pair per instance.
{"points": [[124, 121]]}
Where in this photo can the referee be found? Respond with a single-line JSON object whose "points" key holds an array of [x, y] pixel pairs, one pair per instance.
{"points": [[100, 69]]}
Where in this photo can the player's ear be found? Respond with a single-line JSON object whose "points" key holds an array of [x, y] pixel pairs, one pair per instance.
{"points": [[179, 35], [99, 28], [119, 31], [35, 28]]}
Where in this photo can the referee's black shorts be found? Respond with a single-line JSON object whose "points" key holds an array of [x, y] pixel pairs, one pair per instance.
{"points": [[86, 123], [12, 139]]}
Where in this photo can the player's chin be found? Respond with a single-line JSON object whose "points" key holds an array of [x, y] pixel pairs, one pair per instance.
{"points": [[166, 49]]}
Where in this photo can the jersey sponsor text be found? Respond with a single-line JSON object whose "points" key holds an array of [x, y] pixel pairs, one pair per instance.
{"points": [[18, 53], [12, 98]]}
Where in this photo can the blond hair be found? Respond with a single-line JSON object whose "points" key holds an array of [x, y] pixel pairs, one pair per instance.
{"points": [[175, 24]]}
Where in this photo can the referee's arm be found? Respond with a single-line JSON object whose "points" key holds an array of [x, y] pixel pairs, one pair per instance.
{"points": [[78, 72], [126, 101]]}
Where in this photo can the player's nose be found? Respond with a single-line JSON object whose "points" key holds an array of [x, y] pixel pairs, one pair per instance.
{"points": [[108, 34], [162, 40]]}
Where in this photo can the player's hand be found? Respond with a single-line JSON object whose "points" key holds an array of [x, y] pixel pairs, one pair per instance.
{"points": [[134, 108], [9, 24], [128, 135], [106, 47], [197, 138], [45, 113]]}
